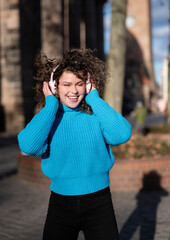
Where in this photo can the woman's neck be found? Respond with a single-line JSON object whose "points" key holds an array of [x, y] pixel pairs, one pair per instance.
{"points": [[64, 108]]}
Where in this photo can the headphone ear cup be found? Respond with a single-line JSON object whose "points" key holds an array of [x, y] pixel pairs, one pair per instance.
{"points": [[88, 84], [52, 83], [52, 87]]}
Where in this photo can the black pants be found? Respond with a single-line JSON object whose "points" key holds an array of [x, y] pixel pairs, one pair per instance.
{"points": [[91, 213]]}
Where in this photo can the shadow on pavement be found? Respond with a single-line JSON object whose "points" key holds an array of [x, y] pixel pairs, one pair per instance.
{"points": [[144, 216]]}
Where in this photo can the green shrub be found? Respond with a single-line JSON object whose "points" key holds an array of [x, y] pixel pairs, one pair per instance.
{"points": [[141, 147]]}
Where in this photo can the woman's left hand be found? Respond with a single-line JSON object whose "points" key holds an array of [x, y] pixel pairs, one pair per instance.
{"points": [[90, 86], [93, 86], [46, 89]]}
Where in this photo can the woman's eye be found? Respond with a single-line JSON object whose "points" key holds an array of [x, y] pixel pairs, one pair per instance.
{"points": [[66, 85], [80, 84]]}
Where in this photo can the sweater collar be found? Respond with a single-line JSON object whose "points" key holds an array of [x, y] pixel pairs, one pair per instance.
{"points": [[64, 108]]}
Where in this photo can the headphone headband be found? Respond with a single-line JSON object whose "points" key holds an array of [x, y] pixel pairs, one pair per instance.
{"points": [[52, 82]]}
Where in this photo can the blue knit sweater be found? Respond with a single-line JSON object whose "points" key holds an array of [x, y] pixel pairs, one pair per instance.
{"points": [[75, 145]]}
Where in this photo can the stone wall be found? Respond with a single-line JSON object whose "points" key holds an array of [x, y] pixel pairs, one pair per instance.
{"points": [[51, 28], [11, 96], [22, 35]]}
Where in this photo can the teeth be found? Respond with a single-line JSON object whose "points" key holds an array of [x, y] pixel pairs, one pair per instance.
{"points": [[73, 97]]}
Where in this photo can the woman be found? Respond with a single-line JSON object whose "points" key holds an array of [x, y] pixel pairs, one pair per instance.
{"points": [[73, 132]]}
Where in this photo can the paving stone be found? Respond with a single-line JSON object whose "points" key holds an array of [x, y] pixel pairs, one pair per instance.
{"points": [[23, 208]]}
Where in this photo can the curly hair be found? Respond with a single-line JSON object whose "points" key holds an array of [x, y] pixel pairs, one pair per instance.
{"points": [[81, 62]]}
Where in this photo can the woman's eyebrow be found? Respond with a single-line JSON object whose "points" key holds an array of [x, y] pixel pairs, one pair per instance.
{"points": [[80, 81], [71, 82]]}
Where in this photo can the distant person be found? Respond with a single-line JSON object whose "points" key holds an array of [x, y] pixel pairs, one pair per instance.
{"points": [[72, 132], [140, 117]]}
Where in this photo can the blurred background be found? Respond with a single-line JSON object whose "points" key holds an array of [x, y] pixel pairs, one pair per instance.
{"points": [[132, 36]]}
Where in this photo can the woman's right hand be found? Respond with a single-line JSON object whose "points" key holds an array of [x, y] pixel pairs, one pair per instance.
{"points": [[46, 89]]}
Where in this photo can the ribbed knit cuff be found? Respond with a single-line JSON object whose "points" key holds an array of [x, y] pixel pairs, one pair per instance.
{"points": [[52, 103], [90, 97], [97, 104], [51, 99]]}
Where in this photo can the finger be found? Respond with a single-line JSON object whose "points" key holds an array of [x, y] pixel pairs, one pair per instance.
{"points": [[46, 89], [93, 85]]}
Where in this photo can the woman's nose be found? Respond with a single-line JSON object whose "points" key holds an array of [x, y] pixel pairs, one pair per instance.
{"points": [[74, 89]]}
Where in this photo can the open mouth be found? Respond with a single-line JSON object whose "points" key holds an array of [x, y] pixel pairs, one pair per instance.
{"points": [[73, 99]]}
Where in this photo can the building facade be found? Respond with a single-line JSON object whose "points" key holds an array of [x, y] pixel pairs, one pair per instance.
{"points": [[139, 80], [11, 116], [27, 26]]}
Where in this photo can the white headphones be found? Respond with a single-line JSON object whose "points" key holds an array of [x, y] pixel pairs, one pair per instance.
{"points": [[88, 84], [52, 82], [53, 87]]}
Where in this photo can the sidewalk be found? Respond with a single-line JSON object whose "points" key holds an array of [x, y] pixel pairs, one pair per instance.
{"points": [[23, 207], [8, 152]]}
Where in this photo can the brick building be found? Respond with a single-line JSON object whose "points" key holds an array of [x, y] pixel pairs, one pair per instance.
{"points": [[54, 26], [10, 69], [27, 26], [139, 78]]}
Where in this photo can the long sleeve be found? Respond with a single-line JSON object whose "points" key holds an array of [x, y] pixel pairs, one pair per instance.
{"points": [[33, 138], [116, 129]]}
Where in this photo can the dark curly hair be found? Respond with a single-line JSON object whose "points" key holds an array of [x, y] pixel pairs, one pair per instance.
{"points": [[78, 61]]}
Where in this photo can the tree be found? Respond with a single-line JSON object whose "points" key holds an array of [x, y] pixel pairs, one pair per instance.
{"points": [[116, 59]]}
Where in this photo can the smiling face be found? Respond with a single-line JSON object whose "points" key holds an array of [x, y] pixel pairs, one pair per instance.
{"points": [[71, 89]]}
